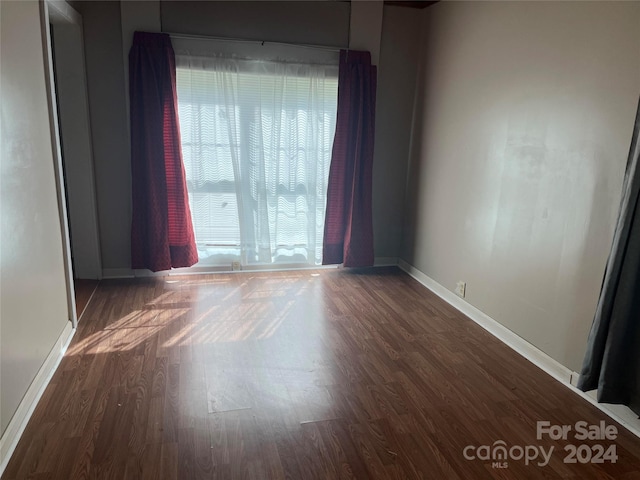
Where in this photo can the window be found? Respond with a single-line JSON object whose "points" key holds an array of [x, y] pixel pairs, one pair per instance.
{"points": [[256, 140]]}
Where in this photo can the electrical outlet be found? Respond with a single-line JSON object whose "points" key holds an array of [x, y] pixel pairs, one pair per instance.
{"points": [[235, 266], [461, 287]]}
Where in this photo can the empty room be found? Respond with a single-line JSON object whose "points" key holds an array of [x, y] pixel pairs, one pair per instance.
{"points": [[319, 239]]}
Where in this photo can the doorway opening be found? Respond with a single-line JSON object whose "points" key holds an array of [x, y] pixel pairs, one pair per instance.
{"points": [[74, 162]]}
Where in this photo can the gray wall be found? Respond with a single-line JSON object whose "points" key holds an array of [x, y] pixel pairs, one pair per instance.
{"points": [[108, 112], [75, 132], [317, 23], [394, 106], [523, 123], [33, 303]]}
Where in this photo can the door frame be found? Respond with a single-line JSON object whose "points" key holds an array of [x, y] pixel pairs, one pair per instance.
{"points": [[60, 12]]}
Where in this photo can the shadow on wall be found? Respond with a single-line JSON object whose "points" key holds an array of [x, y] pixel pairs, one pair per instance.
{"points": [[582, 300], [553, 226], [412, 204]]}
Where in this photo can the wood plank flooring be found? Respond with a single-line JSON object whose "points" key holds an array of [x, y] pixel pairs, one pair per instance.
{"points": [[83, 288], [299, 375]]}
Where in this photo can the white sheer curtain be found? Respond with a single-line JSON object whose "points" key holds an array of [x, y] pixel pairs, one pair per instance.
{"points": [[256, 141]]}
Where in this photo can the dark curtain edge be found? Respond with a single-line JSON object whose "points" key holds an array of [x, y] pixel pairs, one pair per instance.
{"points": [[348, 232], [594, 372], [161, 228]]}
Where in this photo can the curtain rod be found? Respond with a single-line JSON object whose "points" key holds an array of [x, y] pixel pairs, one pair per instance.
{"points": [[261, 42]]}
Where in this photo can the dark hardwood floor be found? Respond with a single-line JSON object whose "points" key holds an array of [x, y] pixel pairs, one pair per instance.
{"points": [[299, 375], [83, 288]]}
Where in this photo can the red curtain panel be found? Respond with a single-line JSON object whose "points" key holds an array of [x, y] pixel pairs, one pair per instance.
{"points": [[161, 232], [348, 227]]}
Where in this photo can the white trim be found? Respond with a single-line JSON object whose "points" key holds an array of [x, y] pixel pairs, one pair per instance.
{"points": [[31, 398], [108, 273], [620, 413], [385, 262], [61, 11], [575, 376], [54, 126], [562, 374], [111, 273], [519, 344], [95, 289]]}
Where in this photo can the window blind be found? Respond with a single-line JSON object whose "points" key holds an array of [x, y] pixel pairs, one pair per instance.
{"points": [[256, 140]]}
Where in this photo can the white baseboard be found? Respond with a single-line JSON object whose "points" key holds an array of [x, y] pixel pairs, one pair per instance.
{"points": [[519, 344], [385, 262], [95, 289], [623, 415], [31, 398], [117, 273], [111, 273]]}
